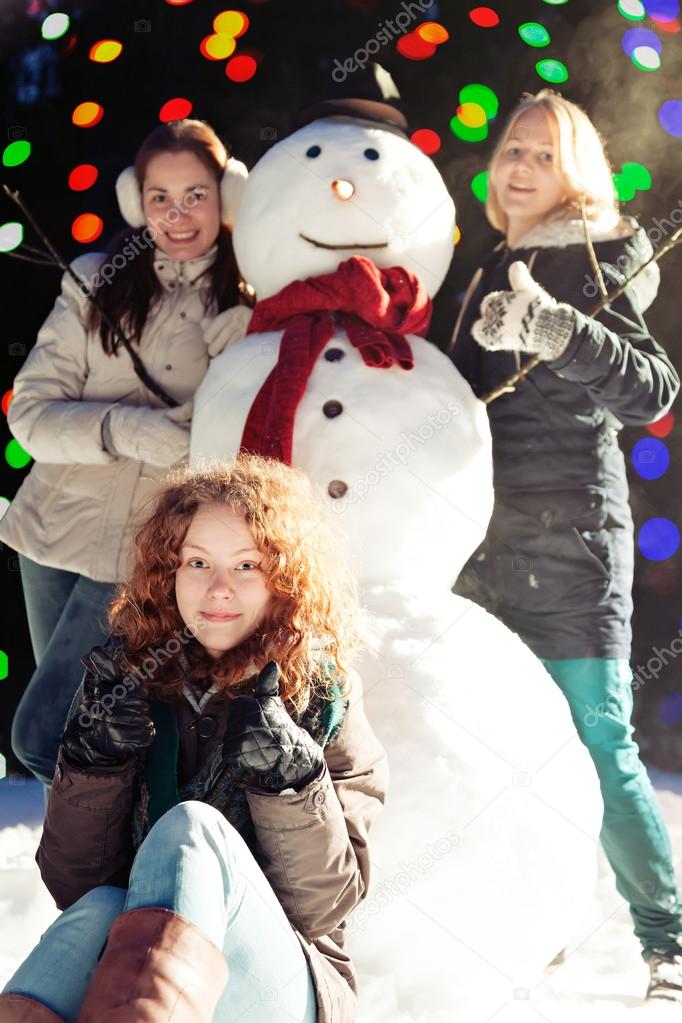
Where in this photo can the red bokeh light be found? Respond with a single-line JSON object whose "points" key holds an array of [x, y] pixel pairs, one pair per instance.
{"points": [[83, 176], [663, 426], [484, 17], [241, 68], [87, 228], [414, 47], [7, 400], [175, 110], [427, 140]]}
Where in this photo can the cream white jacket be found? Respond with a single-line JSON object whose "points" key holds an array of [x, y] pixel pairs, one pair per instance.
{"points": [[79, 506]]}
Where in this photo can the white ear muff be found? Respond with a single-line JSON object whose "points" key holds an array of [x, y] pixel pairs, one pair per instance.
{"points": [[129, 198], [231, 187]]}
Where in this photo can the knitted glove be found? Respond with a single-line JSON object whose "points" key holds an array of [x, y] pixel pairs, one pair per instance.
{"points": [[525, 319], [112, 722], [156, 436], [263, 743]]}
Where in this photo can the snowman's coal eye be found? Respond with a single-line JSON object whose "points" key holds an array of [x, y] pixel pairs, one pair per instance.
{"points": [[371, 154], [313, 152]]}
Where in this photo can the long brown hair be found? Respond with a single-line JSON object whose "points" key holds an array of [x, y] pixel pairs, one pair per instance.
{"points": [[313, 613], [134, 289]]}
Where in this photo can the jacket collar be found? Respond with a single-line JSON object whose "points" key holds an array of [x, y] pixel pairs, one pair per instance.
{"points": [[558, 234], [173, 273]]}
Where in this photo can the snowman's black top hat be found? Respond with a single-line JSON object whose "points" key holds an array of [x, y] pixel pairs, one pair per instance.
{"points": [[369, 94]]}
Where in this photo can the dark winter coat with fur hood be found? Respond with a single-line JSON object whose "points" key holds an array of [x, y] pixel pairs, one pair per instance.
{"points": [[557, 563]]}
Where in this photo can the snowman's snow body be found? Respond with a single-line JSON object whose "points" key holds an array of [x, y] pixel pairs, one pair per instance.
{"points": [[485, 852]]}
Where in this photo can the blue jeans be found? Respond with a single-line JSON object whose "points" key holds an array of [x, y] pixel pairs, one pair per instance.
{"points": [[194, 863], [633, 835], [66, 618]]}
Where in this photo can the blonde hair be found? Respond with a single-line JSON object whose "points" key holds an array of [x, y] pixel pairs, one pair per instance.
{"points": [[580, 158]]}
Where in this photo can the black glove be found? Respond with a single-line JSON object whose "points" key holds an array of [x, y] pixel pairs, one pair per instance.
{"points": [[262, 742], [108, 728]]}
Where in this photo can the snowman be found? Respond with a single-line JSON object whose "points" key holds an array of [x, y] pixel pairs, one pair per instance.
{"points": [[485, 853]]}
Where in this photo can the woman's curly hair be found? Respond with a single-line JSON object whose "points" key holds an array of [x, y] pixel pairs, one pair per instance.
{"points": [[313, 613]]}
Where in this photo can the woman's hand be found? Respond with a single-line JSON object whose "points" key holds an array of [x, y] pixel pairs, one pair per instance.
{"points": [[153, 435], [268, 749], [525, 319], [112, 722]]}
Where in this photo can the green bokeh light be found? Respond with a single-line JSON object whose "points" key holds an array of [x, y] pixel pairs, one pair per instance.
{"points": [[466, 134], [15, 456], [556, 3], [633, 10], [11, 235], [4, 665], [534, 34], [55, 25], [645, 58], [552, 71], [479, 185], [16, 153], [483, 95], [633, 178]]}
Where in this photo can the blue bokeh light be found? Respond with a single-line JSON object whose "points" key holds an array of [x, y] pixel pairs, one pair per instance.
{"points": [[658, 539], [650, 458]]}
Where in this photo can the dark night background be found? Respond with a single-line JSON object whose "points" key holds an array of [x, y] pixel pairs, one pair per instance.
{"points": [[296, 43]]}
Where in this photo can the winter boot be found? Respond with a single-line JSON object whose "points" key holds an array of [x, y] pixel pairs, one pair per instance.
{"points": [[22, 1009], [156, 966], [666, 978]]}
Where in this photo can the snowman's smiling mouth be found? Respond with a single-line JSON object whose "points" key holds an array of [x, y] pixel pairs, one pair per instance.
{"points": [[352, 245]]}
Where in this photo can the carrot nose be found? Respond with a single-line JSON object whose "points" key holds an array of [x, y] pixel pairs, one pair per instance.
{"points": [[343, 189]]}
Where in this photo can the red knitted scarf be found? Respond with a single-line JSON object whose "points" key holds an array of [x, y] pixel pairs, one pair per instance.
{"points": [[376, 308]]}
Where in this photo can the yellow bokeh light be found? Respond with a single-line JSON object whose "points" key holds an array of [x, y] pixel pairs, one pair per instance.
{"points": [[230, 23], [432, 32], [472, 115], [87, 114], [220, 46], [105, 51], [458, 235]]}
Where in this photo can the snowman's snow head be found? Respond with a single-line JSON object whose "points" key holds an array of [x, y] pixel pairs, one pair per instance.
{"points": [[337, 188]]}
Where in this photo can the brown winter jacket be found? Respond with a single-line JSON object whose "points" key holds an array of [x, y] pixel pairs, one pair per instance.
{"points": [[312, 845]]}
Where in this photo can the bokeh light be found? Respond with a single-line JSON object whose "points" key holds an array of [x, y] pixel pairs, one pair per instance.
{"points": [[4, 661], [479, 185], [534, 34], [7, 400], [483, 95], [633, 178], [87, 115], [241, 68], [658, 539], [11, 235], [556, 3], [15, 456], [552, 70], [669, 711], [175, 109], [178, 3], [105, 51], [414, 47], [231, 23], [432, 32], [218, 47], [83, 176], [427, 140], [458, 235], [16, 153], [633, 10], [86, 228], [646, 58], [670, 117], [663, 426], [466, 134], [472, 115], [635, 37], [484, 17], [55, 25], [650, 458], [662, 10]]}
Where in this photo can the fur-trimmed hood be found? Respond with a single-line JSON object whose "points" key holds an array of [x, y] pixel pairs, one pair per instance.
{"points": [[624, 248]]}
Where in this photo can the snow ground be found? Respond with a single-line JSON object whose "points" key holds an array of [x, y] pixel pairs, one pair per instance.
{"points": [[602, 980]]}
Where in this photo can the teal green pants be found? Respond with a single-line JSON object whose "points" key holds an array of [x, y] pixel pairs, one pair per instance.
{"points": [[633, 835]]}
